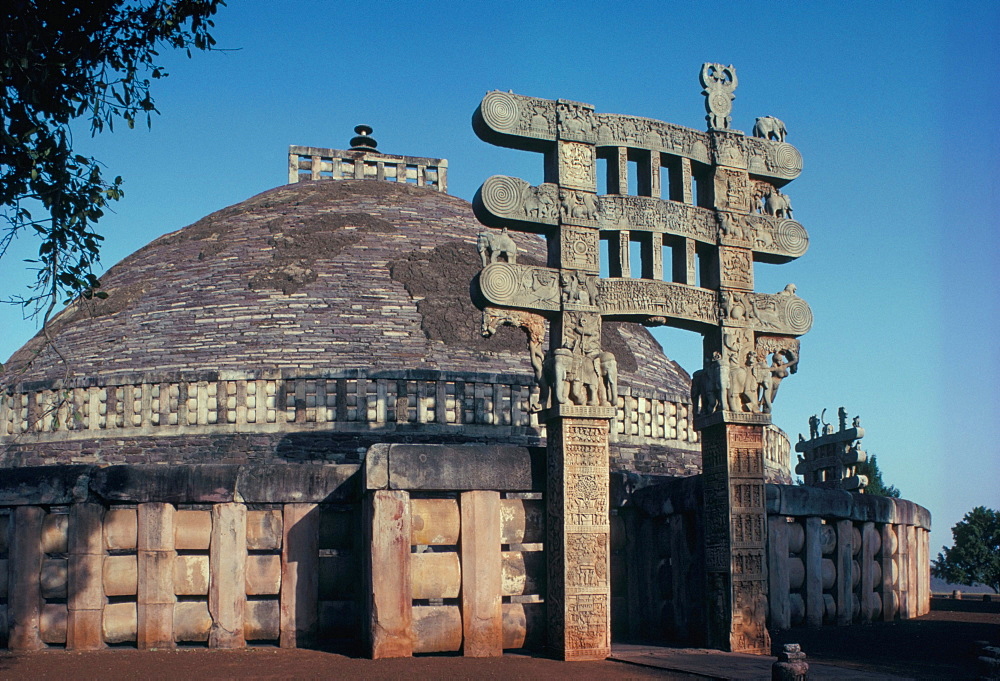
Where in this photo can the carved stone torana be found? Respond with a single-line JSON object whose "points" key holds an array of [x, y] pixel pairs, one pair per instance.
{"points": [[829, 458], [737, 216]]}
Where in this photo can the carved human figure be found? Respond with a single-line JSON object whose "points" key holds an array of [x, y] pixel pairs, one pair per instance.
{"points": [[813, 427], [769, 127], [546, 204], [783, 364]]}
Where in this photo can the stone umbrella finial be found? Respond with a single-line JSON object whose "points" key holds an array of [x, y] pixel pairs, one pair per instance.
{"points": [[363, 141]]}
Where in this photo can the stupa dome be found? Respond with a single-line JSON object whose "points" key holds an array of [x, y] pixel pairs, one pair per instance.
{"points": [[320, 308]]}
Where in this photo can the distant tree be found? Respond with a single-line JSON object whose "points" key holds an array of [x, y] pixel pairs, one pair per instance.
{"points": [[63, 60], [876, 486], [975, 557]]}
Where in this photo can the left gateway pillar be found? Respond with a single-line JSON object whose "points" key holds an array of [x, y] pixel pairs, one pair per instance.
{"points": [[579, 588], [26, 565]]}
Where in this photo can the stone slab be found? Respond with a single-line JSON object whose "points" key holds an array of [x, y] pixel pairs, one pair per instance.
{"points": [[465, 467], [35, 485]]}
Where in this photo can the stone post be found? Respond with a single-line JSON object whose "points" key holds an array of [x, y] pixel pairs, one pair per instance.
{"points": [[578, 526], [735, 527], [299, 575], [390, 603], [482, 616], [25, 603], [227, 585], [845, 577], [86, 587], [781, 614], [155, 553]]}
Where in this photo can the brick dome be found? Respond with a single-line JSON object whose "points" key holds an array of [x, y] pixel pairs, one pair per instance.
{"points": [[309, 277]]}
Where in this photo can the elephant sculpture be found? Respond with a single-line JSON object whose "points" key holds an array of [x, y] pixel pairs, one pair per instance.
{"points": [[706, 387], [741, 387], [778, 204], [770, 127], [573, 378], [492, 245]]}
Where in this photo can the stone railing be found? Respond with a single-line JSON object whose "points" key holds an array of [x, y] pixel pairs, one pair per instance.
{"points": [[312, 163], [495, 405], [840, 557]]}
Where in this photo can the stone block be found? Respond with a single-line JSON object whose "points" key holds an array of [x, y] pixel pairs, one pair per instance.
{"points": [[156, 625], [191, 576], [522, 521], [814, 576], [52, 623], [264, 530], [464, 467], [523, 625], [435, 575], [155, 527], [120, 622], [121, 575], [53, 578], [192, 622], [55, 533], [845, 566], [83, 630], [377, 467], [434, 521], [522, 572], [192, 530], [337, 528], [301, 483], [299, 574], [437, 628], [156, 577], [175, 484], [263, 575], [779, 581], [44, 485], [86, 529], [121, 529], [228, 567], [263, 620], [387, 569]]}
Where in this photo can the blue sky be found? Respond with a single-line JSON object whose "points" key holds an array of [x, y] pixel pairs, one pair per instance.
{"points": [[893, 106]]}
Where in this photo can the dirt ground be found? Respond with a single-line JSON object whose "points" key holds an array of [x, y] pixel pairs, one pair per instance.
{"points": [[936, 646]]}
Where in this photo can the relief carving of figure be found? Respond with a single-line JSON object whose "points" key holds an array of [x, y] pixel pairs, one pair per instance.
{"points": [[492, 245], [608, 389], [770, 127], [783, 363], [706, 386], [813, 427]]}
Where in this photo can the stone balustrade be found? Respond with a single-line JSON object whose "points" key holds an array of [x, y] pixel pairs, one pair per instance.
{"points": [[312, 163]]}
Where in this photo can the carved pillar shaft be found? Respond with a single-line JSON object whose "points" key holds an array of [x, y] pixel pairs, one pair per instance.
{"points": [[735, 534], [579, 586]]}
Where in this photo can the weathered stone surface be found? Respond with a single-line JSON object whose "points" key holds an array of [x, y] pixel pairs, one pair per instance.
{"points": [[387, 567], [52, 623], [192, 530], [522, 521], [264, 575], [121, 575], [191, 621], [201, 483], [55, 533], [522, 572], [443, 467], [437, 628], [228, 565], [435, 575], [25, 565], [121, 529], [155, 626], [120, 622], [84, 629], [299, 574], [54, 577], [303, 483], [263, 620], [523, 625], [191, 575], [264, 530], [44, 485], [435, 521], [482, 617]]}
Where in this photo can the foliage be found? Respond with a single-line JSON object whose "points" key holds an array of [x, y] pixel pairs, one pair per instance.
{"points": [[876, 486], [975, 557], [63, 60]]}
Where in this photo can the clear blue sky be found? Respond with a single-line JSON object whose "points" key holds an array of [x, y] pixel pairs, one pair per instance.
{"points": [[893, 106]]}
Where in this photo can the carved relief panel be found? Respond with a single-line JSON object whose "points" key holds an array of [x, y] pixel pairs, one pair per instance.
{"points": [[577, 166]]}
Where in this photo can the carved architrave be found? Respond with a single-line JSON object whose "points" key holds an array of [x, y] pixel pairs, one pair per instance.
{"points": [[517, 115], [525, 286], [642, 297], [577, 166], [576, 121], [579, 596], [656, 215], [579, 248], [503, 198], [579, 207]]}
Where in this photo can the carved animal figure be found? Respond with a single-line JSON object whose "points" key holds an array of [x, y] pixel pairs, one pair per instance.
{"points": [[706, 387], [492, 245], [770, 127], [609, 379], [741, 387], [778, 204]]}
